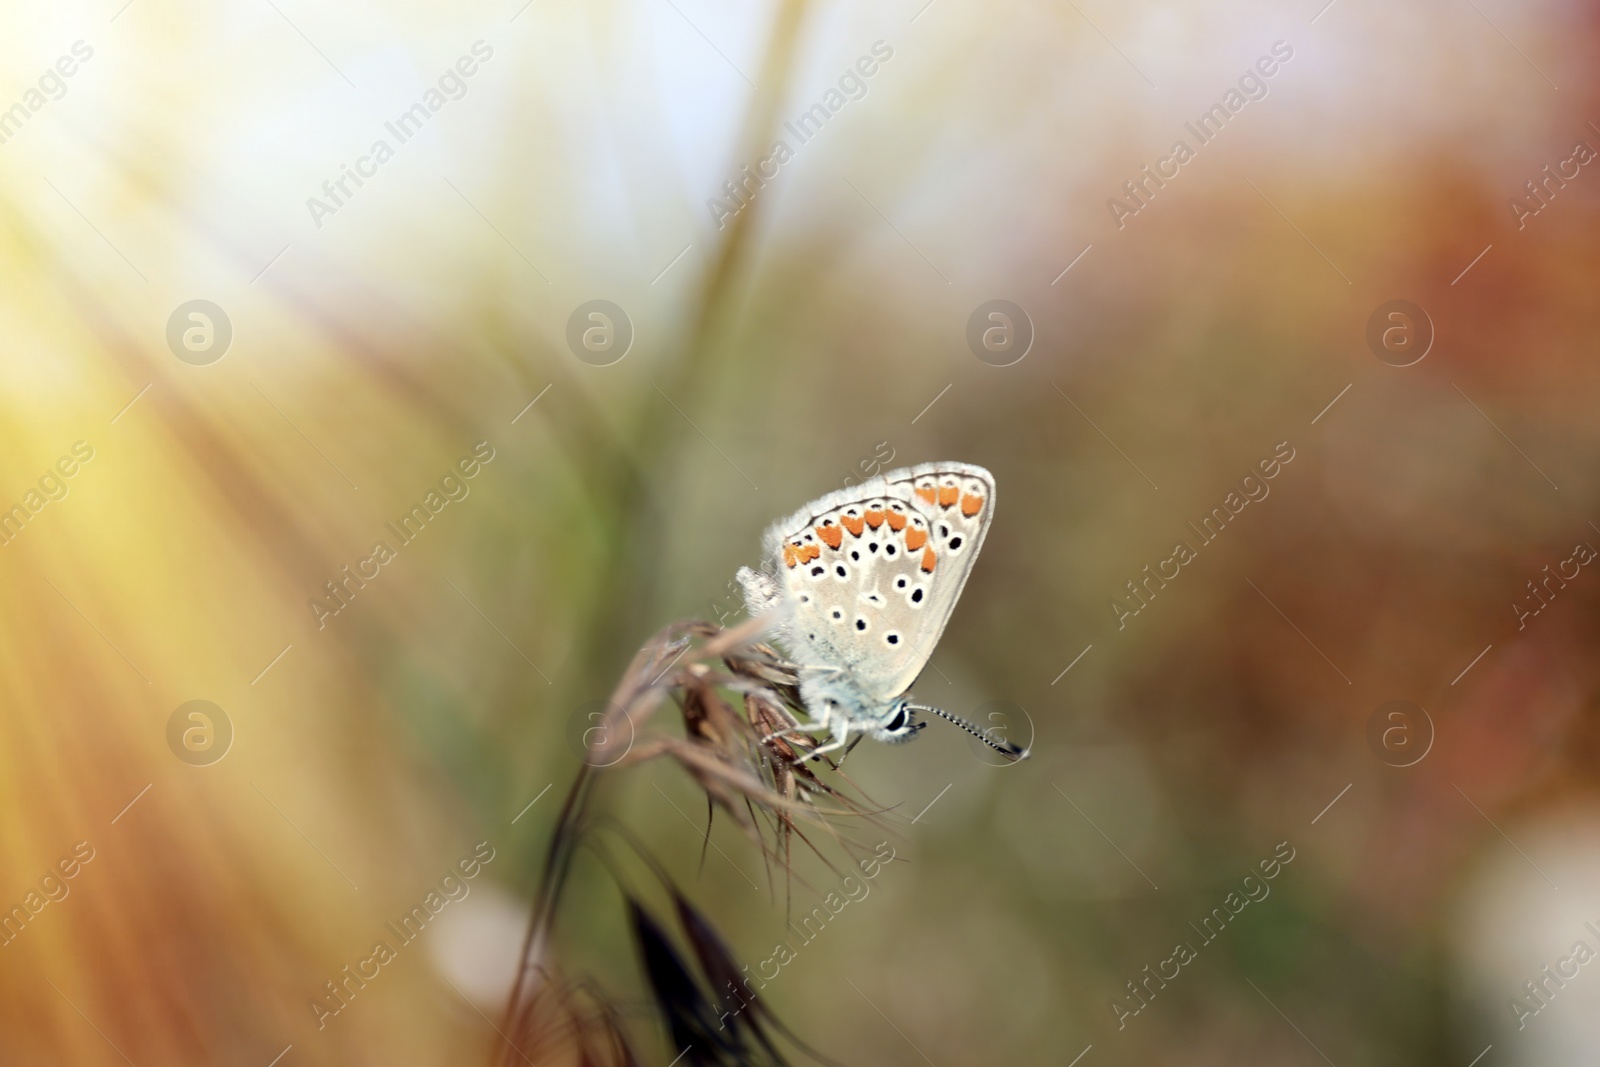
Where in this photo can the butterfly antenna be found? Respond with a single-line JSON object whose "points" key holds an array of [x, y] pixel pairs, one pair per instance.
{"points": [[1005, 748]]}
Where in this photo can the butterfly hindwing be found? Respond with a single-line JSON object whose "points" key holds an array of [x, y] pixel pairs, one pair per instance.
{"points": [[873, 572]]}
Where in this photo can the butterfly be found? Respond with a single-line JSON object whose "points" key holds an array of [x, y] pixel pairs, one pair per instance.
{"points": [[863, 582]]}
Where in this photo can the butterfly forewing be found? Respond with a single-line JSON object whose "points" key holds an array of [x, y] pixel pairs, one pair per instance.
{"points": [[873, 572]]}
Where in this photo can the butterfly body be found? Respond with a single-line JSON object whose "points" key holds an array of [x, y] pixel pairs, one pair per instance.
{"points": [[864, 581]]}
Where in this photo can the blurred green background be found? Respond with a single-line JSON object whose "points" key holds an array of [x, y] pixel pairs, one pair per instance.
{"points": [[821, 327]]}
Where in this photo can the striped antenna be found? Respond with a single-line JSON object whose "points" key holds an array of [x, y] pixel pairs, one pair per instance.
{"points": [[1005, 748]]}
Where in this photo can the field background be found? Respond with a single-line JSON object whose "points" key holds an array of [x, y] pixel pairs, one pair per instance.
{"points": [[823, 326]]}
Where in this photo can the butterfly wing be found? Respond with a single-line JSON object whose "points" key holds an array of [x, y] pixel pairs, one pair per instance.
{"points": [[873, 572]]}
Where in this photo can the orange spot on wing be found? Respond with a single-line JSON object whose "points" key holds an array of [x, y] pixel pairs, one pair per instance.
{"points": [[875, 518], [790, 555], [916, 538], [809, 553], [897, 520], [927, 494], [971, 505], [948, 495], [831, 535], [927, 560], [854, 525]]}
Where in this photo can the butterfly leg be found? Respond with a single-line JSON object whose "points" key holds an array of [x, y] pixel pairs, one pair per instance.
{"points": [[821, 750], [851, 747], [842, 728], [798, 728]]}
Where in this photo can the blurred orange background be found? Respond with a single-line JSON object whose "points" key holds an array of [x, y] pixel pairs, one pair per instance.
{"points": [[774, 351]]}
